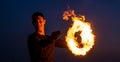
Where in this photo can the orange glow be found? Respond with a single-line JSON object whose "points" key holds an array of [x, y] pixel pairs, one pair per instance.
{"points": [[80, 38]]}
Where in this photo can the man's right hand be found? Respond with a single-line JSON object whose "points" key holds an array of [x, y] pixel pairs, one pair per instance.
{"points": [[56, 35]]}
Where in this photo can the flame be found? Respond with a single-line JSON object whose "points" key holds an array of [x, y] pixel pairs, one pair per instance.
{"points": [[80, 38]]}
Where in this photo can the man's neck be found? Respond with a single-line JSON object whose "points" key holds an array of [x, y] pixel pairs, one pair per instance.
{"points": [[41, 32]]}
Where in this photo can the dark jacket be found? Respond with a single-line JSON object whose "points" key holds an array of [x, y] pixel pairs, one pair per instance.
{"points": [[41, 48]]}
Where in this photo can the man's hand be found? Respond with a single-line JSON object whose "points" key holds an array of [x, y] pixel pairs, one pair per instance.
{"points": [[56, 35]]}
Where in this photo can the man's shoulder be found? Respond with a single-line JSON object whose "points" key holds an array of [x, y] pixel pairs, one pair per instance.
{"points": [[31, 35]]}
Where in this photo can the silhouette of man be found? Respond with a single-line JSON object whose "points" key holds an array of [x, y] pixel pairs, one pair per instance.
{"points": [[41, 46]]}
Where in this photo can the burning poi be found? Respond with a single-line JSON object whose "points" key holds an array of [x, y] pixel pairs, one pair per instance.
{"points": [[80, 38]]}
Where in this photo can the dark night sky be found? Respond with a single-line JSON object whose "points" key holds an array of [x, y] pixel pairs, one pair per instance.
{"points": [[15, 26]]}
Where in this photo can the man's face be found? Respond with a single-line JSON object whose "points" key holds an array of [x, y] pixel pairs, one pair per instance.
{"points": [[39, 23]]}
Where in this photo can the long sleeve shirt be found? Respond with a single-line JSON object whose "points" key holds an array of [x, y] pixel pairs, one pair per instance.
{"points": [[41, 47]]}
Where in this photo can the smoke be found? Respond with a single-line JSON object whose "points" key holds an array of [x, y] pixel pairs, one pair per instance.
{"points": [[68, 14], [71, 13]]}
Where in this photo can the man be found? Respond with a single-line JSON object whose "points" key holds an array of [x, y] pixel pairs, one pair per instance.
{"points": [[41, 46]]}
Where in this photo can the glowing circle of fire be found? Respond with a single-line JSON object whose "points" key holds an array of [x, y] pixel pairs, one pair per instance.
{"points": [[80, 38]]}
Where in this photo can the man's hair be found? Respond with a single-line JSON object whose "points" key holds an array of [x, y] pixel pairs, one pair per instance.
{"points": [[35, 15]]}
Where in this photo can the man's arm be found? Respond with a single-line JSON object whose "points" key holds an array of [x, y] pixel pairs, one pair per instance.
{"points": [[58, 42], [61, 43], [45, 42]]}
